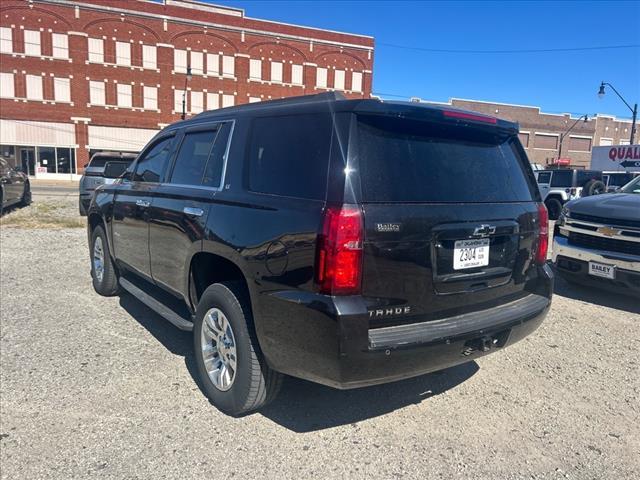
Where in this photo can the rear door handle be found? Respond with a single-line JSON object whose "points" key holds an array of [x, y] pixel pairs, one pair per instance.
{"points": [[193, 211], [143, 203]]}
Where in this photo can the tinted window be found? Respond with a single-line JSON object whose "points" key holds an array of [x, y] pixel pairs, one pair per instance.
{"points": [[101, 160], [583, 176], [408, 161], [114, 169], [192, 157], [215, 164], [619, 179], [152, 163], [562, 178], [544, 177], [289, 155]]}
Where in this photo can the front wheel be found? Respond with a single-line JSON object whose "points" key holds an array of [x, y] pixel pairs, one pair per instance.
{"points": [[233, 373], [103, 271], [26, 195], [554, 207]]}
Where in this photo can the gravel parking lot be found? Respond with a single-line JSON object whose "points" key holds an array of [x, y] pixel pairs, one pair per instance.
{"points": [[103, 387]]}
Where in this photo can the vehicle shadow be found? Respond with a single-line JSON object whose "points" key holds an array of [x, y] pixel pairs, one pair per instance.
{"points": [[305, 406], [596, 295]]}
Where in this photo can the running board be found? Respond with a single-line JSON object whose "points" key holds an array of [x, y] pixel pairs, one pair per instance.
{"points": [[158, 307]]}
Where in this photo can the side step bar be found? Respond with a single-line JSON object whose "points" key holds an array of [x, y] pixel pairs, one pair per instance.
{"points": [[156, 306]]}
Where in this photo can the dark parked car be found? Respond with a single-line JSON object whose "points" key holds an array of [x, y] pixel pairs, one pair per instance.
{"points": [[347, 242], [14, 186], [104, 167], [596, 240]]}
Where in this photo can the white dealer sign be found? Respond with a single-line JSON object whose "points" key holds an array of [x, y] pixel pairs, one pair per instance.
{"points": [[616, 157]]}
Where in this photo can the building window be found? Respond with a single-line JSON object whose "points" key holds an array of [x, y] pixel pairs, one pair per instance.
{"points": [[96, 50], [62, 89], [524, 139], [60, 45], [546, 141], [197, 63], [32, 42], [624, 142], [254, 99], [213, 101], [338, 81], [47, 158], [7, 89], [150, 98], [123, 53], [197, 102], [149, 57], [321, 77], [34, 87], [65, 160], [228, 65], [177, 100], [124, 95], [96, 93], [228, 101], [180, 61], [255, 69], [296, 74], [213, 64], [6, 40], [579, 144], [276, 71], [356, 81]]}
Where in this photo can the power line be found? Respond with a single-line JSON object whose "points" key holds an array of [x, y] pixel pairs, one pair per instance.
{"points": [[515, 51]]}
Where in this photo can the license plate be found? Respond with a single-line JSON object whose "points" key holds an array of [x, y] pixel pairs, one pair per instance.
{"points": [[602, 270], [470, 253]]}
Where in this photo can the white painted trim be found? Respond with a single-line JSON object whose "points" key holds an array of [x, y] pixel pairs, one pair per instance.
{"points": [[167, 45], [79, 34], [80, 119], [243, 55], [548, 134], [138, 13], [590, 137]]}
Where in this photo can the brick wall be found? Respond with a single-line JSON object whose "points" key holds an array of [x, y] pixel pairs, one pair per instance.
{"points": [[192, 28]]}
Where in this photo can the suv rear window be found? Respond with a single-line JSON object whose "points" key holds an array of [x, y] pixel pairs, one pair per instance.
{"points": [[289, 155], [408, 161], [101, 160], [562, 178]]}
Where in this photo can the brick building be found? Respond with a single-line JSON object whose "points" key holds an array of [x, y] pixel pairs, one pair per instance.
{"points": [[88, 75], [540, 132]]}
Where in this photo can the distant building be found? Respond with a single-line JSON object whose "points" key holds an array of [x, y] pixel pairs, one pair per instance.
{"points": [[540, 132], [88, 75]]}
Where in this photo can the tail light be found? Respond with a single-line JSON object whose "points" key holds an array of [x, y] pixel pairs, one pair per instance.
{"points": [[339, 251], [543, 235]]}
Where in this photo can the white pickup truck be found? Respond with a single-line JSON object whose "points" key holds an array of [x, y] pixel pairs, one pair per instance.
{"points": [[559, 186]]}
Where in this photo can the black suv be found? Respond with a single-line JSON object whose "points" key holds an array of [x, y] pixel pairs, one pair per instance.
{"points": [[347, 242]]}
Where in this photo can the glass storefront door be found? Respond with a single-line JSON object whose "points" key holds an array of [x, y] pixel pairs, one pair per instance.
{"points": [[28, 160]]}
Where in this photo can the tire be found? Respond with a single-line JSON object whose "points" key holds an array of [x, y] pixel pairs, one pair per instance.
{"points": [[554, 207], [252, 384], [593, 187], [105, 282], [26, 195]]}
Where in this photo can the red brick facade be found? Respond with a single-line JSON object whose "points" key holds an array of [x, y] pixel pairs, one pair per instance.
{"points": [[219, 40]]}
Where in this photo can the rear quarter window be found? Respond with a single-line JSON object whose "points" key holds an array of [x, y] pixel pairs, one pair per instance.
{"points": [[408, 161], [289, 155]]}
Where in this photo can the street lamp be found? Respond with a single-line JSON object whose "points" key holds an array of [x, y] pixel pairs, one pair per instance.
{"points": [[634, 110], [586, 118], [184, 92]]}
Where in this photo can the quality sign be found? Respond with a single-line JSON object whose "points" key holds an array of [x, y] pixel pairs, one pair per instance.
{"points": [[616, 158]]}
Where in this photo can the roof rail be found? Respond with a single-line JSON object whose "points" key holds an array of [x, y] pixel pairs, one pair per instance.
{"points": [[301, 100]]}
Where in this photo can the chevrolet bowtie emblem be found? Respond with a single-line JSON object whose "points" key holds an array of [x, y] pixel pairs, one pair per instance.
{"points": [[608, 231], [484, 230]]}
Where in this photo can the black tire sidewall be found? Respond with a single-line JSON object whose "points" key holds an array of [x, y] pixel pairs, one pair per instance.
{"points": [[109, 284], [26, 194], [554, 206], [232, 401]]}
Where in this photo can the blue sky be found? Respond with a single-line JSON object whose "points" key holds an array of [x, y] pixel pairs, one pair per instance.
{"points": [[557, 82]]}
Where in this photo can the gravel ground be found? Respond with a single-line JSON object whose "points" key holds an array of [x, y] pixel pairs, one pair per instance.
{"points": [[102, 387]]}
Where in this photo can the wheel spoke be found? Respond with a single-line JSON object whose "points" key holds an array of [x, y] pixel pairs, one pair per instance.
{"points": [[218, 347]]}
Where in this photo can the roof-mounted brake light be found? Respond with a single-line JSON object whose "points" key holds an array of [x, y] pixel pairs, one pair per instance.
{"points": [[469, 116]]}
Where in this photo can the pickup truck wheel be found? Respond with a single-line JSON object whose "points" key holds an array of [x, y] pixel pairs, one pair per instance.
{"points": [[103, 272], [232, 370], [554, 207]]}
